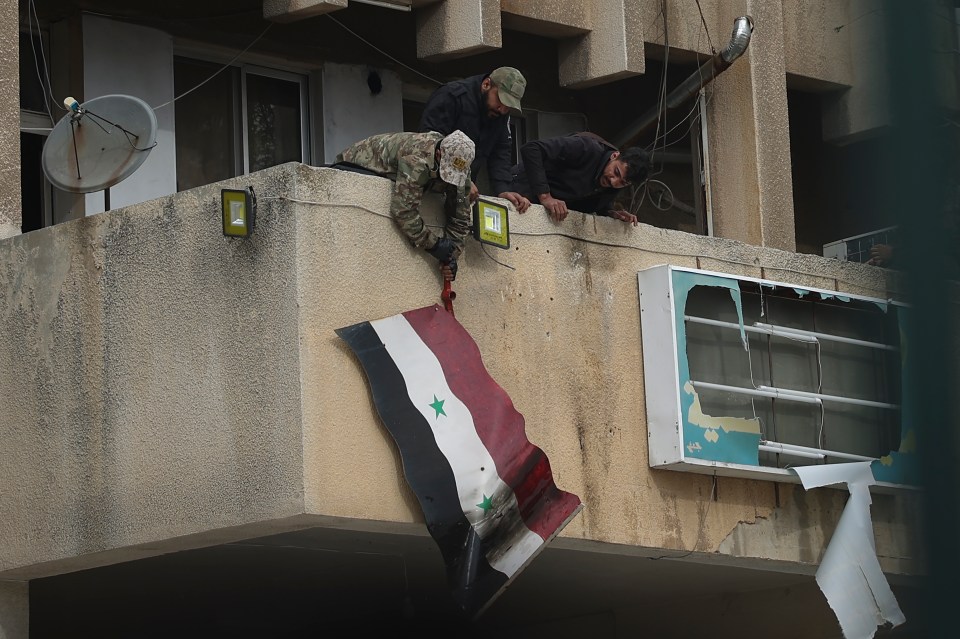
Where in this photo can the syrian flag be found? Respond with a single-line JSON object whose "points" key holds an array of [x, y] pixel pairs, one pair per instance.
{"points": [[487, 493]]}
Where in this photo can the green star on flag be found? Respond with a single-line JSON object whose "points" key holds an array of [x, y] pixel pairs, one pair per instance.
{"points": [[407, 358], [486, 504], [437, 405]]}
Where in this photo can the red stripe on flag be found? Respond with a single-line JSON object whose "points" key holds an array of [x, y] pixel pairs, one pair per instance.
{"points": [[521, 465]]}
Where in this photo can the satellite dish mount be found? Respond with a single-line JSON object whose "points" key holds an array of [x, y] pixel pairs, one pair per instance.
{"points": [[99, 143]]}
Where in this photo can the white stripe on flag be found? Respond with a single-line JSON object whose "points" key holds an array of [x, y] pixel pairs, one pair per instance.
{"points": [[456, 436]]}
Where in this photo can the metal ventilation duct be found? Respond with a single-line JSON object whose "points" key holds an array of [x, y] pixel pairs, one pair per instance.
{"points": [[742, 30]]}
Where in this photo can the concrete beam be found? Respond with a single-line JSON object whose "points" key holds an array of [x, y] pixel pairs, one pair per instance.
{"points": [[613, 48], [549, 19], [293, 10], [456, 28]]}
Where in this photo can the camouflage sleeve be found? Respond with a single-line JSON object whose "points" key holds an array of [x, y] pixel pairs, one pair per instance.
{"points": [[459, 215], [405, 205]]}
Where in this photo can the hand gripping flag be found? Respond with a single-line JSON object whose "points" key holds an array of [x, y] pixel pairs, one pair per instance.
{"points": [[487, 493]]}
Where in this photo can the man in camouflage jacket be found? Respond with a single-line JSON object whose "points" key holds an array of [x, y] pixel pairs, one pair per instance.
{"points": [[417, 162]]}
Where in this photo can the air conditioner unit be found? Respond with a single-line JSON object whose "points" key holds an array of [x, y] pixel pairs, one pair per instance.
{"points": [[857, 248], [748, 378]]}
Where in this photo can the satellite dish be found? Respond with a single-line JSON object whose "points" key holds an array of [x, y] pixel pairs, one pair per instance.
{"points": [[99, 143]]}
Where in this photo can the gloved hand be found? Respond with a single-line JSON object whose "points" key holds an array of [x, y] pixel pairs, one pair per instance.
{"points": [[449, 269], [443, 249]]}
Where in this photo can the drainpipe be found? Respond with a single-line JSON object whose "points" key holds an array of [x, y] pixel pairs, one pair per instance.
{"points": [[742, 29]]}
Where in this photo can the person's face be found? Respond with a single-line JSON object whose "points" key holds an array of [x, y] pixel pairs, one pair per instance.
{"points": [[614, 175], [495, 108]]}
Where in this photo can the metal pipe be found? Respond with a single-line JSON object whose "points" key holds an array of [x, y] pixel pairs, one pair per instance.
{"points": [[770, 448], [794, 449], [763, 391], [765, 329], [448, 295], [801, 334], [811, 337], [742, 30], [792, 395]]}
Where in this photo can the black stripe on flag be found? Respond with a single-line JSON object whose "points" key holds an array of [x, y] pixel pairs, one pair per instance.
{"points": [[473, 580]]}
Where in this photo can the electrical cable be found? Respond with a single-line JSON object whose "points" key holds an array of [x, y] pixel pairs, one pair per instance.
{"points": [[702, 522], [656, 204], [577, 239], [221, 16], [381, 51], [483, 247], [662, 92], [218, 71], [705, 28], [31, 12]]}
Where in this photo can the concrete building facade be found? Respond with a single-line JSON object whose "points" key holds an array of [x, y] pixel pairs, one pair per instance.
{"points": [[190, 448]]}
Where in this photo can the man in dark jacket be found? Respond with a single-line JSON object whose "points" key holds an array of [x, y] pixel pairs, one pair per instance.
{"points": [[580, 171], [480, 106]]}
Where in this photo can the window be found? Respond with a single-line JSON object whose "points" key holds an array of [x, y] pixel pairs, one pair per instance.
{"points": [[768, 376], [242, 119]]}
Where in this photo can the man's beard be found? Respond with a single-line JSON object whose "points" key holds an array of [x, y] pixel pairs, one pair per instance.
{"points": [[491, 112]]}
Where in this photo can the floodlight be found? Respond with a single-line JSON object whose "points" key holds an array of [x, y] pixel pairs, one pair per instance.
{"points": [[491, 224], [239, 211]]}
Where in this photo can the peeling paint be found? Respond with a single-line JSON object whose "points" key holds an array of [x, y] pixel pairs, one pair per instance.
{"points": [[697, 417], [726, 439]]}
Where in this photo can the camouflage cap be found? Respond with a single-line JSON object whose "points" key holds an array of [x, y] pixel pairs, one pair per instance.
{"points": [[456, 155], [510, 84]]}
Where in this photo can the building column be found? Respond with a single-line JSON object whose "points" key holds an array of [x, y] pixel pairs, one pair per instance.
{"points": [[749, 138], [14, 610], [10, 206]]}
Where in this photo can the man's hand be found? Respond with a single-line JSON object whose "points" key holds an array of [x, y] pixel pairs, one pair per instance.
{"points": [[880, 254], [474, 192], [443, 249], [556, 208], [517, 200], [449, 270], [623, 216]]}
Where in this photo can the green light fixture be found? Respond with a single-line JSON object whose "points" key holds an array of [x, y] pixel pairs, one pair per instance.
{"points": [[239, 211], [491, 224]]}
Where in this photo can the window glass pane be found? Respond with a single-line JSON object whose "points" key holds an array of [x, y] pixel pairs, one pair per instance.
{"points": [[273, 121], [823, 366], [31, 70], [206, 126]]}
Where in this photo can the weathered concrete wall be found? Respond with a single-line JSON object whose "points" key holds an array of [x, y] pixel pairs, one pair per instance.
{"points": [[150, 386], [565, 345], [816, 43], [167, 381], [863, 108], [10, 214]]}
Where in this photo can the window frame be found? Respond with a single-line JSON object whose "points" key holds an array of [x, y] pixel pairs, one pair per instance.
{"points": [[302, 80], [674, 433], [265, 66]]}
